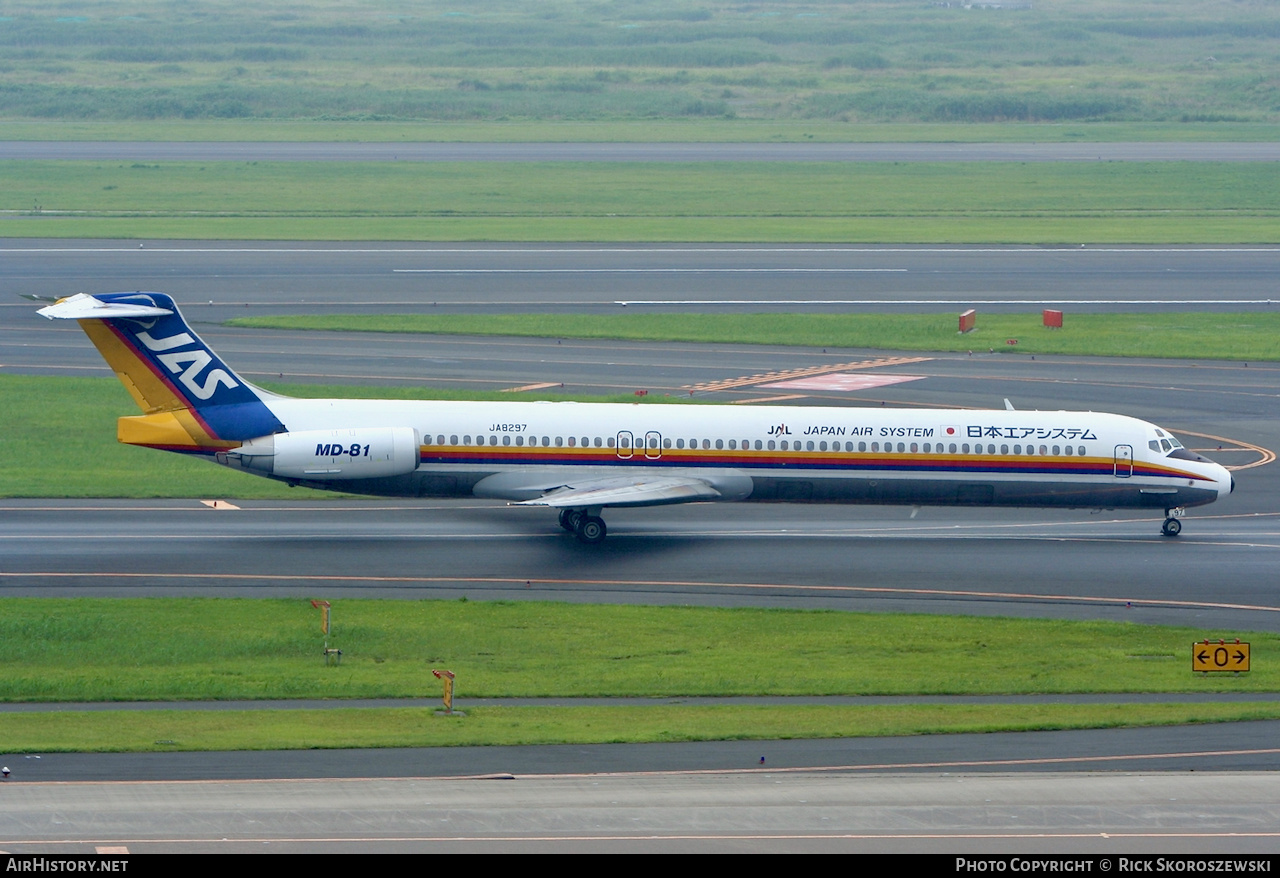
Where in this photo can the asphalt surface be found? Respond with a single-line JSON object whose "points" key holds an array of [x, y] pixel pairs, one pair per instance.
{"points": [[1244, 746], [1196, 789], [1218, 577], [638, 152], [1152, 814], [1074, 564], [257, 278]]}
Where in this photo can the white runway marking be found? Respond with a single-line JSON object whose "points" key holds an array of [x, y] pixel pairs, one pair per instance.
{"points": [[525, 387], [794, 374], [843, 381], [160, 248], [902, 300], [643, 270], [768, 399]]}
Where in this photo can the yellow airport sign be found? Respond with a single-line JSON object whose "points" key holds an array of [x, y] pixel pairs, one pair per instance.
{"points": [[1219, 655], [447, 678], [323, 607]]}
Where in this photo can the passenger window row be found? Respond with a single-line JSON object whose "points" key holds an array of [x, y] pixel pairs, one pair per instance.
{"points": [[520, 440]]}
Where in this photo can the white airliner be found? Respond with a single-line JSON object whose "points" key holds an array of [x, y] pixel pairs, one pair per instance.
{"points": [[580, 458]]}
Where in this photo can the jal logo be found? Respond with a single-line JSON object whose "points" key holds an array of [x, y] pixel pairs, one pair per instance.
{"points": [[188, 364], [780, 430]]}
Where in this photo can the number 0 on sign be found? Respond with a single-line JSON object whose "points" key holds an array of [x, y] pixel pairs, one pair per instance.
{"points": [[1221, 655]]}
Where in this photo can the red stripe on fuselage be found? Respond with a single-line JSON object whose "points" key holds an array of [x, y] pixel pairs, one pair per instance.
{"points": [[965, 465]]}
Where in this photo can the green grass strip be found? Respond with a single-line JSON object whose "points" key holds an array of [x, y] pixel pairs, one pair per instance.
{"points": [[663, 190], [1179, 335], [169, 730], [61, 426], [624, 131], [82, 413], [1036, 202], [712, 230], [86, 649]]}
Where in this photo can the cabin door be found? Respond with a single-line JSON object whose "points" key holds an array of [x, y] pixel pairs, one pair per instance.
{"points": [[1124, 461], [653, 445], [624, 444]]}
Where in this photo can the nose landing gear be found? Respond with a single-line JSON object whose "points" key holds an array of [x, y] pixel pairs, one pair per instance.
{"points": [[1172, 526]]}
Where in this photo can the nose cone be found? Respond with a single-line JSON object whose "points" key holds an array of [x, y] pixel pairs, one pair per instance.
{"points": [[1226, 481]]}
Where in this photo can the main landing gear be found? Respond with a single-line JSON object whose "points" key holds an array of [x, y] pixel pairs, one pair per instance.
{"points": [[1172, 527], [585, 524]]}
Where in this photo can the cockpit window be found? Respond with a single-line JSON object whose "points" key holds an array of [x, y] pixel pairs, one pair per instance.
{"points": [[1165, 444]]}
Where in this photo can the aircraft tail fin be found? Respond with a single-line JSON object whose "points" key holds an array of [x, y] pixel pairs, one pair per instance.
{"points": [[189, 396]]}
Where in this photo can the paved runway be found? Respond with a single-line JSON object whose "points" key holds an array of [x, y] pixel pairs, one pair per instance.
{"points": [[1195, 789], [239, 278], [767, 811], [637, 152], [1059, 563], [1218, 577]]}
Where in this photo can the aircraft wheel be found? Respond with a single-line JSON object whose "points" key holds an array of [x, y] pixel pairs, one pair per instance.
{"points": [[591, 529], [569, 519], [1171, 527]]}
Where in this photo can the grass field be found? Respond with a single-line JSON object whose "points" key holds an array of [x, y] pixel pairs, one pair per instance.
{"points": [[1252, 336], [862, 230], [879, 61], [1056, 202], [697, 130], [183, 649], [84, 420], [169, 730]]}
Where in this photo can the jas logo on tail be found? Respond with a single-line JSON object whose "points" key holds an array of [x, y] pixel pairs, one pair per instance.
{"points": [[195, 361]]}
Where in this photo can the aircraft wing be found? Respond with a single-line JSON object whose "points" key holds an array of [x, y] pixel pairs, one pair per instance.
{"points": [[635, 491]]}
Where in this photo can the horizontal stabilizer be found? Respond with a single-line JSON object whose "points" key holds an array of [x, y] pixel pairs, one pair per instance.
{"points": [[659, 491], [82, 306]]}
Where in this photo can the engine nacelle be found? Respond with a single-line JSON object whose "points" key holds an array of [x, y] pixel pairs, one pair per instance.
{"points": [[320, 455]]}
